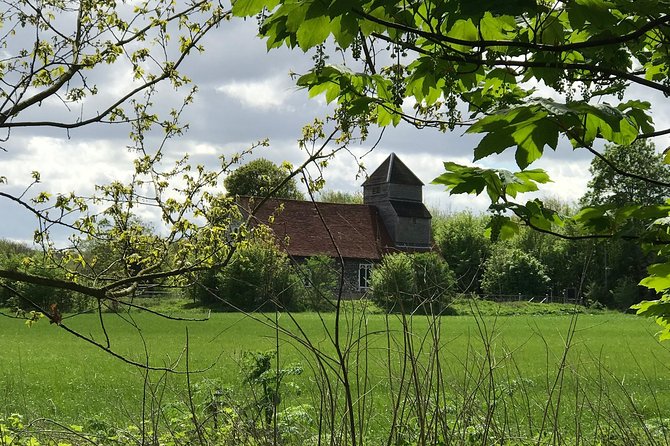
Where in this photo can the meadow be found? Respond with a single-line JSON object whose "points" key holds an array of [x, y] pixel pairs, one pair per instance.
{"points": [[577, 370]]}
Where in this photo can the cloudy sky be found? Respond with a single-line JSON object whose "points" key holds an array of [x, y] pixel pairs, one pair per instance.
{"points": [[246, 94]]}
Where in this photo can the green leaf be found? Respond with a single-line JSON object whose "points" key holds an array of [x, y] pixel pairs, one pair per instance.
{"points": [[551, 31], [594, 13], [344, 29], [386, 116], [541, 217], [313, 32], [359, 106], [461, 179], [496, 28], [525, 181], [501, 119], [497, 7], [494, 142], [537, 175], [659, 277], [501, 228], [463, 30], [248, 8], [595, 219], [532, 138], [607, 122]]}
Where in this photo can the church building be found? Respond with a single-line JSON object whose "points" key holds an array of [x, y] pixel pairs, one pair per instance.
{"points": [[392, 218]]}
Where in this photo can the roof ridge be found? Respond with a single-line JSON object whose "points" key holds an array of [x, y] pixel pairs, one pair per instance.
{"points": [[389, 172]]}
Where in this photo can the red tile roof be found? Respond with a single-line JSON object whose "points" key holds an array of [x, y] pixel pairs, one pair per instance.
{"points": [[356, 229]]}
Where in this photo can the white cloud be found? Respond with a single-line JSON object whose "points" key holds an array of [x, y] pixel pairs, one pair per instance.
{"points": [[569, 180], [204, 149], [65, 165], [271, 93]]}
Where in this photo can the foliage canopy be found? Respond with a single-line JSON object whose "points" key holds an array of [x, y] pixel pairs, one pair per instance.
{"points": [[610, 187], [510, 271], [410, 283], [261, 177]]}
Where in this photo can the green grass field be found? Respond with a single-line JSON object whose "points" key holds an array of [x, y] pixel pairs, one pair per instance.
{"points": [[46, 372]]}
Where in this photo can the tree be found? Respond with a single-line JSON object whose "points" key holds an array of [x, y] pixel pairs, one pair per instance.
{"points": [[262, 177], [56, 54], [336, 196], [462, 243], [55, 49], [568, 263], [393, 283], [320, 274], [10, 249], [608, 187], [434, 279], [26, 296], [490, 56], [621, 264]]}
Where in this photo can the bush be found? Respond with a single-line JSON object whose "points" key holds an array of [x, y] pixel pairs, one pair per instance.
{"points": [[461, 240], [626, 292], [433, 276], [206, 287], [511, 271], [259, 276], [393, 282], [408, 283], [320, 274]]}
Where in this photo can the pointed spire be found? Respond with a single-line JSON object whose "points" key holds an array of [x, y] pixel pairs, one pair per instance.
{"points": [[392, 170]]}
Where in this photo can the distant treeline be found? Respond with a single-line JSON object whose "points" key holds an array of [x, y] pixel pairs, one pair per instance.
{"points": [[468, 258]]}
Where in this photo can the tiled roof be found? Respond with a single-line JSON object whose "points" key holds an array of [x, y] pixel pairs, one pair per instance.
{"points": [[356, 229], [392, 170]]}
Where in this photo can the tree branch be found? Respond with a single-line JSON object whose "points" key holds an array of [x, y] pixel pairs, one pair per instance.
{"points": [[53, 283], [533, 46], [41, 216], [479, 61]]}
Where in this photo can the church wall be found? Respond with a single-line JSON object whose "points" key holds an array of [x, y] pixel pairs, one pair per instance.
{"points": [[413, 231], [405, 192], [389, 217], [375, 194], [351, 288]]}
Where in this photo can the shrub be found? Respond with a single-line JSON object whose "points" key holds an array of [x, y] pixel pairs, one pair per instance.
{"points": [[433, 276], [512, 271], [461, 240], [259, 276], [206, 287], [393, 282], [626, 292], [408, 283], [320, 274]]}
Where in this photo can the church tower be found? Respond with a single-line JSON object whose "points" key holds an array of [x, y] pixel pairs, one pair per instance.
{"points": [[398, 195]]}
